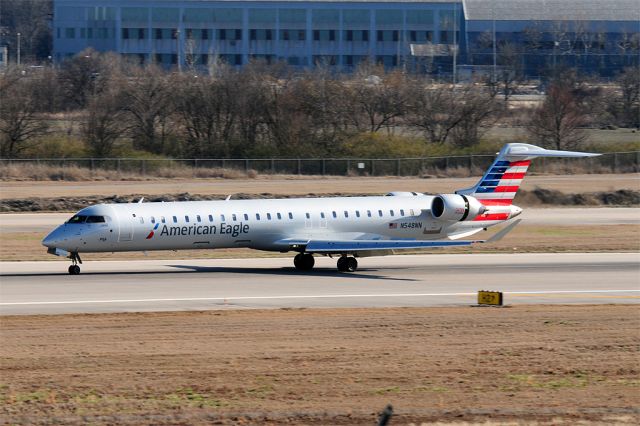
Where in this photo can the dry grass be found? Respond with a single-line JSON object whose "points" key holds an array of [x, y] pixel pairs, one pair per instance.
{"points": [[523, 365], [41, 172]]}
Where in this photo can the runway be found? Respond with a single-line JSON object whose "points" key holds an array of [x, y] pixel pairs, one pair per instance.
{"points": [[411, 280], [45, 222]]}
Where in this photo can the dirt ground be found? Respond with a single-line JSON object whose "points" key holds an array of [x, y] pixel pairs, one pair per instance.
{"points": [[534, 364]]}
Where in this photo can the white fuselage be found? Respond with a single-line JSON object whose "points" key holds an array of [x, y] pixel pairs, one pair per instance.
{"points": [[258, 224]]}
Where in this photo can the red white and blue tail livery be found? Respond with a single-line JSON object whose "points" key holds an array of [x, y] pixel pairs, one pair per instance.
{"points": [[346, 227]]}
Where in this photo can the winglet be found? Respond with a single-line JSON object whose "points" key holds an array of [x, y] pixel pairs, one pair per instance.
{"points": [[499, 235]]}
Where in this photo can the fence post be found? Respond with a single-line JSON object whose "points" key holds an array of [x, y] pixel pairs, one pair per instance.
{"points": [[246, 165], [118, 166], [615, 162], [470, 163], [299, 166], [398, 167], [143, 166], [373, 167], [324, 167], [348, 167], [273, 166]]}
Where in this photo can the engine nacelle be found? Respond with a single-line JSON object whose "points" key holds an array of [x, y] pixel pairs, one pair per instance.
{"points": [[456, 207]]}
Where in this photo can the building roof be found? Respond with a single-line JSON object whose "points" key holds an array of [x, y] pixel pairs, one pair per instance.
{"points": [[552, 10]]}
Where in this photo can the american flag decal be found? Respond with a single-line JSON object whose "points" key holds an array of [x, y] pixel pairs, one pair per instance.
{"points": [[393, 226]]}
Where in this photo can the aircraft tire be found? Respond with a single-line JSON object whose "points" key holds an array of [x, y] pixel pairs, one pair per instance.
{"points": [[304, 261], [74, 270], [351, 264]]}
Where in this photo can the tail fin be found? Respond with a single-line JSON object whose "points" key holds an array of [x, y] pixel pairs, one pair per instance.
{"points": [[501, 181]]}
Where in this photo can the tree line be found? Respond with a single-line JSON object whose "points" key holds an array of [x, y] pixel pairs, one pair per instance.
{"points": [[266, 110]]}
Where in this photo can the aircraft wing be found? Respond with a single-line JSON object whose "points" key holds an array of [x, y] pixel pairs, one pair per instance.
{"points": [[356, 246]]}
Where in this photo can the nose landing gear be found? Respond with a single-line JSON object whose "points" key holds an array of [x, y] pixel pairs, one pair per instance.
{"points": [[74, 269]]}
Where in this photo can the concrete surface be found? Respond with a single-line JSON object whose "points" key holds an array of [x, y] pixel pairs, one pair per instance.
{"points": [[412, 280]]}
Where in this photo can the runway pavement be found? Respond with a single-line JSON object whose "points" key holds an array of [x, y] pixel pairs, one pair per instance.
{"points": [[44, 222], [412, 280]]}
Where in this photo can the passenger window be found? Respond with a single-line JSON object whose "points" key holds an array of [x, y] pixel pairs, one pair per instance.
{"points": [[322, 215], [246, 216], [334, 214], [357, 213], [186, 218], [401, 212], [369, 213], [162, 219], [346, 213], [279, 216], [234, 217], [141, 219], [391, 213], [380, 213], [175, 219], [210, 218], [290, 215], [257, 216], [153, 219], [411, 212], [198, 218], [268, 216], [222, 217]]}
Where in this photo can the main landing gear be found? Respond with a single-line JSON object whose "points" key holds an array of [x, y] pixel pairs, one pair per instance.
{"points": [[305, 262], [74, 269], [347, 264]]}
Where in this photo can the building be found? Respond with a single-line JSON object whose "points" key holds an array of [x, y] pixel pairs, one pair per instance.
{"points": [[430, 36]]}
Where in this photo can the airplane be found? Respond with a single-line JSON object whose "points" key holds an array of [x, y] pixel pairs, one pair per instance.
{"points": [[345, 227]]}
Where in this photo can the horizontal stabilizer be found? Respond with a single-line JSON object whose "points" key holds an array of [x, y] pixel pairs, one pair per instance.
{"points": [[526, 151], [500, 234]]}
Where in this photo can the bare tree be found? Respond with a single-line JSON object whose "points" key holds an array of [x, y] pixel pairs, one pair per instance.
{"points": [[624, 103], [104, 121], [20, 119], [558, 121], [207, 110], [435, 111], [479, 110], [148, 102], [376, 98]]}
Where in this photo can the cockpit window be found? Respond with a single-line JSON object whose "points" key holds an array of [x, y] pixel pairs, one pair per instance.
{"points": [[95, 219], [77, 219]]}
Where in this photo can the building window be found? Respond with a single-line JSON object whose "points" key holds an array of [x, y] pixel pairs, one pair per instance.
{"points": [[158, 33], [204, 34], [70, 33]]}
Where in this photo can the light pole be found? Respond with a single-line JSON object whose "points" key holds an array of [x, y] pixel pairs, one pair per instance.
{"points": [[18, 49]]}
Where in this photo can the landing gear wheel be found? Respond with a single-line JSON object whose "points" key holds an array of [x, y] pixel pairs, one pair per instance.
{"points": [[74, 270], [304, 261], [347, 264]]}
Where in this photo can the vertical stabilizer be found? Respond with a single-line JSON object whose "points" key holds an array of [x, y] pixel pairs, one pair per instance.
{"points": [[500, 183]]}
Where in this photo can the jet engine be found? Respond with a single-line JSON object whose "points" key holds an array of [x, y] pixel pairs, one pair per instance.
{"points": [[456, 207]]}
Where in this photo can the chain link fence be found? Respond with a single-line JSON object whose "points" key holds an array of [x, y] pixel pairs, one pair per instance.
{"points": [[450, 166]]}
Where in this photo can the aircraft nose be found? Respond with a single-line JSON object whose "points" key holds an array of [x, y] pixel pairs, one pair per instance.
{"points": [[54, 239]]}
